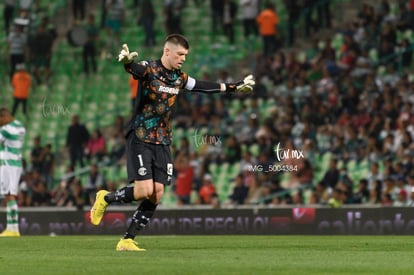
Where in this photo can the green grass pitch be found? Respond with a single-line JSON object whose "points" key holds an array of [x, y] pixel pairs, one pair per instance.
{"points": [[209, 255]]}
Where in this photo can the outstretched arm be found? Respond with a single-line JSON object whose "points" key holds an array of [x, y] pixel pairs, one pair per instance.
{"points": [[137, 70], [245, 85], [202, 86]]}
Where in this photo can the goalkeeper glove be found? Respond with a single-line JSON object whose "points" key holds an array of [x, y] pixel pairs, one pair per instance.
{"points": [[242, 86], [125, 56]]}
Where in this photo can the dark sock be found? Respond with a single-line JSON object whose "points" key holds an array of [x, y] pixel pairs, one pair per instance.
{"points": [[140, 218], [125, 195]]}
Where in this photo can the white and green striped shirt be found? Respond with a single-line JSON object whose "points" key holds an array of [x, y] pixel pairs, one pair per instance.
{"points": [[11, 143]]}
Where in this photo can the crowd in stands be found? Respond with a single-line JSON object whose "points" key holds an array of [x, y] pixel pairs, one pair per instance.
{"points": [[342, 101]]}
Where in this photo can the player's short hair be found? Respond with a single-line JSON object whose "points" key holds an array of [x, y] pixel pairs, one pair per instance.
{"points": [[178, 39]]}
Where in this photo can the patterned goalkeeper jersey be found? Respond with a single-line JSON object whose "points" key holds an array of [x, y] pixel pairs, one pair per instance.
{"points": [[11, 143], [157, 91]]}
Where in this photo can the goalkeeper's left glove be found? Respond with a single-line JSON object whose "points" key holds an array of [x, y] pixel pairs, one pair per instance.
{"points": [[125, 56], [242, 86]]}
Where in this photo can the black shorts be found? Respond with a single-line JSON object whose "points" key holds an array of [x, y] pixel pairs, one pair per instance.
{"points": [[148, 161]]}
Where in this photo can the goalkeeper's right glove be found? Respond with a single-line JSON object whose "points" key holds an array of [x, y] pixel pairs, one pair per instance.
{"points": [[242, 86], [125, 56]]}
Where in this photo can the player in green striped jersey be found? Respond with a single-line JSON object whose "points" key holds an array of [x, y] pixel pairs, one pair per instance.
{"points": [[12, 134]]}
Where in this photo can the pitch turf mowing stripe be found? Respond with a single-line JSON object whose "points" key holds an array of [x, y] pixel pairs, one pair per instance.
{"points": [[210, 255]]}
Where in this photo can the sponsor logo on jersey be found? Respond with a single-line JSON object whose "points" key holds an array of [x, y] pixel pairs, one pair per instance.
{"points": [[142, 171], [168, 90]]}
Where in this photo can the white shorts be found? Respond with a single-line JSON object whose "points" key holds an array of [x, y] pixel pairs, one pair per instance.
{"points": [[9, 180]]}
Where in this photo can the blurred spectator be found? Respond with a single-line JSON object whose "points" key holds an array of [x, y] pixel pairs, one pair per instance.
{"points": [[273, 193], [47, 160], [268, 21], [328, 53], [172, 13], [240, 191], [23, 197], [16, 46], [389, 188], [8, 14], [386, 54], [89, 50], [41, 54], [115, 14], [21, 82], [331, 176], [407, 53], [61, 192], [363, 66], [293, 11], [103, 14], [78, 9], [76, 140], [361, 195], [387, 200], [208, 193], [404, 20], [305, 173], [147, 20], [229, 18], [232, 150], [76, 196], [297, 197], [249, 12], [321, 194], [35, 186], [256, 191], [117, 152], [375, 194], [336, 200], [36, 154], [184, 180], [96, 147], [118, 126], [308, 8], [324, 14], [217, 7], [40, 195], [94, 182], [410, 200]]}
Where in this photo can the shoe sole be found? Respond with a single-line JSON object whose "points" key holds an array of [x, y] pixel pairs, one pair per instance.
{"points": [[126, 249]]}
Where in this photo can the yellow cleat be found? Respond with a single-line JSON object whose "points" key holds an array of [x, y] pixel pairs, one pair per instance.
{"points": [[128, 245], [8, 233], [98, 208]]}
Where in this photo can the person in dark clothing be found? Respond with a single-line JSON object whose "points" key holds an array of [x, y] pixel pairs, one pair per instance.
{"points": [[36, 153], [239, 194], [78, 9], [229, 18], [310, 23], [217, 7], [89, 49], [147, 20], [331, 177], [76, 139], [41, 50], [293, 10], [362, 193], [8, 14], [324, 14], [149, 136]]}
